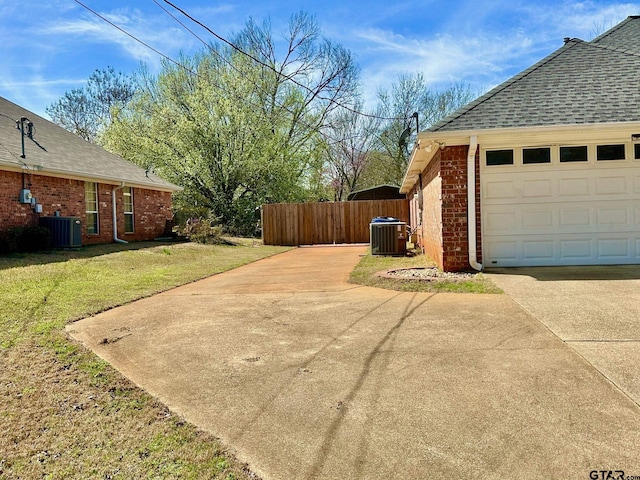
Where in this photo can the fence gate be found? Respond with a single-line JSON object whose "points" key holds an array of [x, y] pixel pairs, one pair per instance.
{"points": [[326, 222]]}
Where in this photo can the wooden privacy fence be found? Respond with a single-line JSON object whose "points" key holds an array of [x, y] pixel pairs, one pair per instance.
{"points": [[326, 222]]}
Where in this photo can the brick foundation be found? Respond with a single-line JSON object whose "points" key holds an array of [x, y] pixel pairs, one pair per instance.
{"points": [[152, 208]]}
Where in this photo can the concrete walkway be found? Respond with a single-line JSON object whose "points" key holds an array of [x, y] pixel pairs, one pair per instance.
{"points": [[595, 310], [308, 377]]}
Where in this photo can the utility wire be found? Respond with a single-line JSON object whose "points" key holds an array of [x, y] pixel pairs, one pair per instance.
{"points": [[10, 118], [232, 66], [270, 67], [166, 57], [196, 74]]}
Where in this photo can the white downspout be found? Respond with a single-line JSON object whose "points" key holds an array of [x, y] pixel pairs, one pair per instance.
{"points": [[115, 214], [471, 203]]}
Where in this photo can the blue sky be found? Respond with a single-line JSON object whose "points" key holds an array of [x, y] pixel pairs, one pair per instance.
{"points": [[47, 48]]}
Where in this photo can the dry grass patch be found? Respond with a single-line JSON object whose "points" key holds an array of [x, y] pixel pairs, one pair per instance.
{"points": [[64, 412], [367, 269]]}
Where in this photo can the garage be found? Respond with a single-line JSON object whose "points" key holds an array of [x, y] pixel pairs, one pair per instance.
{"points": [[543, 169], [561, 211]]}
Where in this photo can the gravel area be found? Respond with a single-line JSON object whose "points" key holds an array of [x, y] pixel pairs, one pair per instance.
{"points": [[428, 273]]}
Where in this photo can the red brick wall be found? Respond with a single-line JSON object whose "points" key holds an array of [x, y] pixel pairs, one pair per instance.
{"points": [[443, 236], [430, 233], [151, 208], [454, 208]]}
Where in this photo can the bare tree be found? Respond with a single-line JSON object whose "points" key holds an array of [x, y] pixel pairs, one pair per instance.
{"points": [[409, 94], [87, 111], [351, 139]]}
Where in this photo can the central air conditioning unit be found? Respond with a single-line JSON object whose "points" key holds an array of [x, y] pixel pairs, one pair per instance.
{"points": [[66, 232], [388, 236]]}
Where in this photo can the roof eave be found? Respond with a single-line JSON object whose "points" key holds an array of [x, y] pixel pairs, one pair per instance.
{"points": [[423, 152], [165, 187]]}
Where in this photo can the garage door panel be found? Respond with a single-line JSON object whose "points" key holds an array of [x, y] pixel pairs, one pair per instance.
{"points": [[505, 250], [543, 249], [576, 249], [613, 248], [614, 215], [499, 189], [501, 221], [615, 185], [573, 186], [571, 217], [579, 217], [537, 188], [537, 219]]}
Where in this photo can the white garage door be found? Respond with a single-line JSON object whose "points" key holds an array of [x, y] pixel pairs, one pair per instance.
{"points": [[561, 216]]}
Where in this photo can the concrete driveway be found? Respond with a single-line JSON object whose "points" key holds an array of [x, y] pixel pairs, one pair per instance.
{"points": [[305, 376], [594, 310]]}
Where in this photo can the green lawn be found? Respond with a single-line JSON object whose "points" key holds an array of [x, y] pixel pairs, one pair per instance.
{"points": [[366, 270], [65, 413]]}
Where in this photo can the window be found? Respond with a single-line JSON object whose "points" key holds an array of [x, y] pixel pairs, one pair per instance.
{"points": [[536, 155], [610, 152], [636, 148], [91, 205], [127, 195], [499, 157], [573, 154]]}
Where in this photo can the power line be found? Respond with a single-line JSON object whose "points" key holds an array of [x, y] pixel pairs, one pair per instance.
{"points": [[270, 67], [333, 140], [231, 65], [196, 74], [166, 57]]}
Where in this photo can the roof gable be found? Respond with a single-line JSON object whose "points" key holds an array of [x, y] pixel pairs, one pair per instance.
{"points": [[55, 151], [580, 83]]}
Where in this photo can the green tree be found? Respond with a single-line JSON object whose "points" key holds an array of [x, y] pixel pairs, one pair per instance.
{"points": [[238, 131], [86, 111]]}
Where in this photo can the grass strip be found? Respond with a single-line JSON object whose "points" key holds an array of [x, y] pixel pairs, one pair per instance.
{"points": [[65, 413], [366, 270]]}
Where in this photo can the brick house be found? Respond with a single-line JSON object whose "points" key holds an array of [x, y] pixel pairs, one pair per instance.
{"points": [[46, 171], [542, 170]]}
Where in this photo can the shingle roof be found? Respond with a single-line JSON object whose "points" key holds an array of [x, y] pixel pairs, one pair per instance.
{"points": [[580, 83], [624, 35], [57, 151]]}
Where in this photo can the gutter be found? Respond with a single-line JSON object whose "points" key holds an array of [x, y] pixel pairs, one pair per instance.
{"points": [[115, 214], [471, 204]]}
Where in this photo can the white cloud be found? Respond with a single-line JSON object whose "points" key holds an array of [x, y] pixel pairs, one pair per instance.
{"points": [[488, 53], [581, 19], [442, 59], [166, 39]]}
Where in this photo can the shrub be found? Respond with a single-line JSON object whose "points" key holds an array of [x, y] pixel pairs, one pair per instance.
{"points": [[204, 231], [25, 239], [8, 242], [34, 239]]}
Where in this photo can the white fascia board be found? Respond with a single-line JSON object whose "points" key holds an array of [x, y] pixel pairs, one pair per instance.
{"points": [[541, 136], [422, 154]]}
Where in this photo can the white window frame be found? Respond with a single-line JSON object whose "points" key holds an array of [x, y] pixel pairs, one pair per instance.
{"points": [[91, 210], [128, 192]]}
